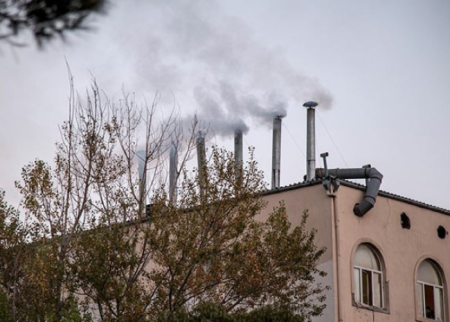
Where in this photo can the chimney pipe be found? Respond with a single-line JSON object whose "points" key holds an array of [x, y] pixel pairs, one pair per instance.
{"points": [[173, 160], [238, 154], [142, 169], [310, 140], [201, 156], [141, 164], [276, 152], [141, 155], [238, 147]]}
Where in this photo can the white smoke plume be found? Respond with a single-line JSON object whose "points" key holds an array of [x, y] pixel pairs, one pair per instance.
{"points": [[192, 48]]}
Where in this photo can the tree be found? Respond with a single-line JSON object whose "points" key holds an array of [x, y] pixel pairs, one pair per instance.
{"points": [[217, 313], [45, 19], [92, 247], [12, 238], [212, 248]]}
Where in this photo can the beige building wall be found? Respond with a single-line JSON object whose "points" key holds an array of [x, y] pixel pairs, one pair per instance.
{"points": [[402, 250], [313, 199], [340, 231]]}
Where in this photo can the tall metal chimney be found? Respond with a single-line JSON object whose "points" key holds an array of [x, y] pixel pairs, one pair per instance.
{"points": [[238, 148], [200, 149], [140, 154], [201, 156], [173, 160], [310, 140], [276, 152], [142, 169]]}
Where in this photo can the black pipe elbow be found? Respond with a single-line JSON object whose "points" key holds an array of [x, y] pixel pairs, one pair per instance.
{"points": [[360, 209]]}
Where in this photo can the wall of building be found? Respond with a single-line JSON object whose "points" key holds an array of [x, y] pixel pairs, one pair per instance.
{"points": [[402, 251], [319, 205]]}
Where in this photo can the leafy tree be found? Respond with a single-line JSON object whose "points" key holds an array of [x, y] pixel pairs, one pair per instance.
{"points": [[212, 312], [90, 247], [211, 247], [13, 253], [45, 19]]}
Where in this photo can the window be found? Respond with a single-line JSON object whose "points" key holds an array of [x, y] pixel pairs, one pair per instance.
{"points": [[430, 291], [368, 277]]}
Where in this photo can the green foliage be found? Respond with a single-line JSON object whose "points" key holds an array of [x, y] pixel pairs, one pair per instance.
{"points": [[4, 310], [212, 312], [269, 313]]}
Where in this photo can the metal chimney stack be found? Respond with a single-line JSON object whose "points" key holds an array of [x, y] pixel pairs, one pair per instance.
{"points": [[276, 152], [142, 169], [173, 160], [310, 140], [141, 164], [238, 148], [201, 156]]}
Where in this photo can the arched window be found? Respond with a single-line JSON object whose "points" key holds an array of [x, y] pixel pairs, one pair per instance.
{"points": [[430, 291], [368, 277]]}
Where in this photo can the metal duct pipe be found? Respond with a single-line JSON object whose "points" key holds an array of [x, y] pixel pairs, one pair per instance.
{"points": [[310, 139], [173, 165], [276, 152], [373, 185]]}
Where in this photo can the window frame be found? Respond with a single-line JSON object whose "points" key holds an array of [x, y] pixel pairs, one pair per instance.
{"points": [[420, 296], [357, 298], [372, 284]]}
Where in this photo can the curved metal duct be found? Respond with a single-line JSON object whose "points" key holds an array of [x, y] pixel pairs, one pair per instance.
{"points": [[372, 186]]}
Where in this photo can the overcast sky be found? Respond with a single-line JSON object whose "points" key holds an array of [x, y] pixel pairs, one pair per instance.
{"points": [[380, 71]]}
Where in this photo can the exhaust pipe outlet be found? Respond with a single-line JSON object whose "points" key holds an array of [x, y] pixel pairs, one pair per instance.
{"points": [[374, 178]]}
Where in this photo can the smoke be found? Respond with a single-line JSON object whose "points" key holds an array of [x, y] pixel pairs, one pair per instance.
{"points": [[212, 114], [190, 48]]}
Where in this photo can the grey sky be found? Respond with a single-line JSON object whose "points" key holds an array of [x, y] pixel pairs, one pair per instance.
{"points": [[382, 66]]}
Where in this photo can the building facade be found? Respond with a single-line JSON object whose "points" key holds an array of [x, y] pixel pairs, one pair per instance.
{"points": [[390, 265]]}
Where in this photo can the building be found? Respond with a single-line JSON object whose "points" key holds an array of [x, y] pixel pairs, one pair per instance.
{"points": [[386, 256], [391, 264]]}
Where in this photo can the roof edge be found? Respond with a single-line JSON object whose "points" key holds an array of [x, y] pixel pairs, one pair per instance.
{"points": [[358, 186]]}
